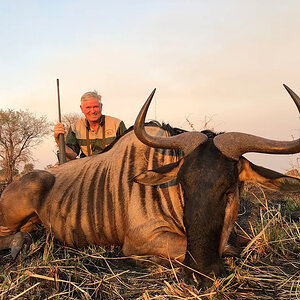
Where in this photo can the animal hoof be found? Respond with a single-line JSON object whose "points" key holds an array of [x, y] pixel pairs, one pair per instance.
{"points": [[294, 215], [19, 241], [231, 251], [200, 282]]}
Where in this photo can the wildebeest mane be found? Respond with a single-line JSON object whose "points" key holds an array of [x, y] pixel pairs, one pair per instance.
{"points": [[166, 126], [151, 123], [175, 131]]}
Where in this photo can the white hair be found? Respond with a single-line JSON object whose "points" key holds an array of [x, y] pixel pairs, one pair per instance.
{"points": [[86, 96]]}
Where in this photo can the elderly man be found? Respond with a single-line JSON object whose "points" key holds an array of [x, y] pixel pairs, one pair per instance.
{"points": [[90, 135]]}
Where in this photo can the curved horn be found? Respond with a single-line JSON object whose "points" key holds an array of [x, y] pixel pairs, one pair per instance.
{"points": [[235, 144], [186, 141]]}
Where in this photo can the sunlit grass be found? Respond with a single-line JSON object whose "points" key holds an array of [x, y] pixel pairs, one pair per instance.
{"points": [[268, 268], [293, 203]]}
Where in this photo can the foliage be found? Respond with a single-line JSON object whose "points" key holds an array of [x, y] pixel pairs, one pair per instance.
{"points": [[48, 167], [15, 172], [20, 131], [293, 204], [69, 119], [29, 167]]}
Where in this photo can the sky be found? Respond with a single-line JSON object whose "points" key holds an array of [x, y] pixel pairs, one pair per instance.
{"points": [[221, 62]]}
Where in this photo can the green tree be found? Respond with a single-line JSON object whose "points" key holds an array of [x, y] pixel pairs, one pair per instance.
{"points": [[20, 131]]}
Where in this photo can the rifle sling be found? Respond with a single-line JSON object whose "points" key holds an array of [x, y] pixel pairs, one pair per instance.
{"points": [[103, 134], [88, 142]]}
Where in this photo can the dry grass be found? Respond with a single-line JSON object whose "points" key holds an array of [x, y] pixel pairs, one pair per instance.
{"points": [[268, 269]]}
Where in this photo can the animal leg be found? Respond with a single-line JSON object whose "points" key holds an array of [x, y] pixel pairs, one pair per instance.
{"points": [[163, 246], [18, 205], [237, 240], [231, 251], [10, 236], [16, 212]]}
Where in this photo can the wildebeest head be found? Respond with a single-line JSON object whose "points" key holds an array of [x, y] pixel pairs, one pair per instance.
{"points": [[210, 174]]}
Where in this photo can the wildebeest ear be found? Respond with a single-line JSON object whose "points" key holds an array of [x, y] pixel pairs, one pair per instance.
{"points": [[160, 175], [267, 178]]}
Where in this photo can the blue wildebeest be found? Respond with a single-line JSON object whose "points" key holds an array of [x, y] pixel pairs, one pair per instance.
{"points": [[153, 193]]}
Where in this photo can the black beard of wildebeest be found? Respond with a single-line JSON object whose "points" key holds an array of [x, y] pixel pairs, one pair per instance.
{"points": [[157, 190]]}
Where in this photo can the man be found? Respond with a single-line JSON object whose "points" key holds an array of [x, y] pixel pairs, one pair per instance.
{"points": [[90, 135]]}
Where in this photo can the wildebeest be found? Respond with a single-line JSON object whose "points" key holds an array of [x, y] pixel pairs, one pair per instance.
{"points": [[151, 192]]}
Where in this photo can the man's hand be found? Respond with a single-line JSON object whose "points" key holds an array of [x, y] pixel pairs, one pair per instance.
{"points": [[59, 128]]}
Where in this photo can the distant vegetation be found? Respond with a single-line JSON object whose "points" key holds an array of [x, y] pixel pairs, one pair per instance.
{"points": [[70, 118], [268, 268], [20, 131]]}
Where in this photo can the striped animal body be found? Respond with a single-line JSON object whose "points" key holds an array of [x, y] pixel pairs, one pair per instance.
{"points": [[173, 197], [94, 200]]}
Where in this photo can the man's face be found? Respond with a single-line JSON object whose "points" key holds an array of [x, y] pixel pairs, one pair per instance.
{"points": [[92, 109]]}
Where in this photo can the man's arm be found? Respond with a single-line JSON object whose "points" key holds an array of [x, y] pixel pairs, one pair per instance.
{"points": [[60, 129]]}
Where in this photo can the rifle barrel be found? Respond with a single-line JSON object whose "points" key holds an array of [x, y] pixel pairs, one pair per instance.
{"points": [[61, 139]]}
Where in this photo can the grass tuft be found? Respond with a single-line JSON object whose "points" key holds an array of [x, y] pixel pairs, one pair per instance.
{"points": [[268, 268]]}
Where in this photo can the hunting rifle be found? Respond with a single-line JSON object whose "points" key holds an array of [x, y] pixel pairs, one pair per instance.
{"points": [[61, 139]]}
